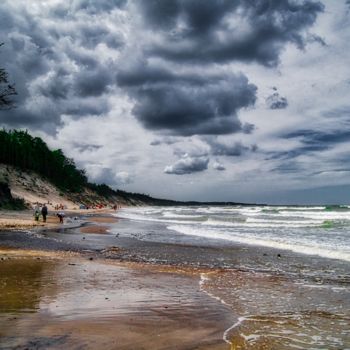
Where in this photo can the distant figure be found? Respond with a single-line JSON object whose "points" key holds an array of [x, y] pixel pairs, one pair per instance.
{"points": [[44, 212], [36, 212], [60, 216]]}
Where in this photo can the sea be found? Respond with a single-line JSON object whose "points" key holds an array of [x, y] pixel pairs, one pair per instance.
{"points": [[321, 230], [284, 270]]}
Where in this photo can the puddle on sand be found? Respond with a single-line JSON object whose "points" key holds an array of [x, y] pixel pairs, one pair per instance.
{"points": [[20, 285], [75, 304]]}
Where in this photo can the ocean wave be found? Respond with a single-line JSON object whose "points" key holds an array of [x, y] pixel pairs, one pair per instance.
{"points": [[171, 215], [308, 248], [137, 217], [257, 223]]}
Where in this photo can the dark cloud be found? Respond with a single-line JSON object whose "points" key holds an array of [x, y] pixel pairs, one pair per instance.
{"points": [[234, 149], [313, 140], [248, 128], [86, 147], [56, 85], [86, 107], [164, 141], [188, 165], [90, 36], [55, 68], [317, 39], [320, 138], [254, 148], [276, 101], [156, 142], [340, 170], [288, 167], [92, 83], [188, 104], [214, 31], [296, 152], [22, 117]]}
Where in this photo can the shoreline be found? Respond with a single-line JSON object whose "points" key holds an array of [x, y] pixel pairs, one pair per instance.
{"points": [[221, 273], [24, 219], [206, 335], [166, 306]]}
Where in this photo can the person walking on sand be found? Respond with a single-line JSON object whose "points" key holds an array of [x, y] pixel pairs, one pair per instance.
{"points": [[61, 216], [36, 212], [44, 212]]}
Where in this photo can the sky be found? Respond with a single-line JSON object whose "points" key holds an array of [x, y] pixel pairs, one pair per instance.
{"points": [[220, 100]]}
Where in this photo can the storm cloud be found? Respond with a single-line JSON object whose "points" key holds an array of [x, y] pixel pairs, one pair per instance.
{"points": [[221, 31], [63, 55], [52, 58], [228, 148], [183, 87], [188, 104]]}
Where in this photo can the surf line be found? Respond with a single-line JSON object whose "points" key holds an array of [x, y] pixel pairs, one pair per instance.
{"points": [[204, 276]]}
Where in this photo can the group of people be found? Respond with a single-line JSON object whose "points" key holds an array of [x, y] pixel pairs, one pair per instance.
{"points": [[60, 207], [40, 210], [43, 211]]}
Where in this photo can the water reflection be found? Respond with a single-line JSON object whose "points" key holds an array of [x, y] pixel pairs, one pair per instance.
{"points": [[21, 284], [75, 304]]}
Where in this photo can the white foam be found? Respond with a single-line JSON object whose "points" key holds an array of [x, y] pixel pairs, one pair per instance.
{"points": [[263, 223], [311, 248], [170, 215], [138, 217], [299, 229], [235, 325], [203, 278]]}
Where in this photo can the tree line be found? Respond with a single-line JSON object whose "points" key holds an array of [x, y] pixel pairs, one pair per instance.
{"points": [[20, 149]]}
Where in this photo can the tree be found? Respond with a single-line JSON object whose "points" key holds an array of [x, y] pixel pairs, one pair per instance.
{"points": [[6, 90]]}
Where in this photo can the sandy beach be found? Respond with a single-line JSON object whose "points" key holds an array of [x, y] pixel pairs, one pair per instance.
{"points": [[25, 219], [62, 301], [81, 285], [50, 298]]}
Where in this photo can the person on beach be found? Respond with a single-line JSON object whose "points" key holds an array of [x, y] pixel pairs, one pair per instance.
{"points": [[60, 216], [36, 212], [44, 212]]}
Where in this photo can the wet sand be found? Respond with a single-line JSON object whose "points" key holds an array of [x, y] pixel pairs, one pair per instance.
{"points": [[173, 296], [103, 219], [94, 229], [23, 219], [277, 313], [60, 301]]}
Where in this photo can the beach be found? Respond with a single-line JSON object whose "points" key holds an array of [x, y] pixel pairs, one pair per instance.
{"points": [[63, 301], [59, 295], [107, 281]]}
